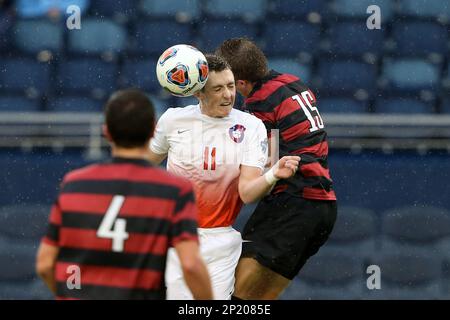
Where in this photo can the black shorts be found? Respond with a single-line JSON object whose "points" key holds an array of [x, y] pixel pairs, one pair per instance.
{"points": [[284, 231]]}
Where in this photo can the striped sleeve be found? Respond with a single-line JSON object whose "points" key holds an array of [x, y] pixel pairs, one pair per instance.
{"points": [[184, 219], [52, 236]]}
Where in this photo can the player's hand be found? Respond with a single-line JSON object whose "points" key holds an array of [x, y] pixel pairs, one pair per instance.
{"points": [[286, 167]]}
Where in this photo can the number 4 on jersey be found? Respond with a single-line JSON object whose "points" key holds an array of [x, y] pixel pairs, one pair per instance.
{"points": [[106, 231], [305, 100]]}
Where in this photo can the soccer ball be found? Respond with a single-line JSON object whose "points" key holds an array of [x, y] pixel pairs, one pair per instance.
{"points": [[182, 70]]}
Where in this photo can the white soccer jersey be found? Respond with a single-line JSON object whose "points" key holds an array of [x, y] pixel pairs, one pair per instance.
{"points": [[209, 151]]}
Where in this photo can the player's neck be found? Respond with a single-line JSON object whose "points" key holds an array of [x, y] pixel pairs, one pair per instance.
{"points": [[134, 153]]}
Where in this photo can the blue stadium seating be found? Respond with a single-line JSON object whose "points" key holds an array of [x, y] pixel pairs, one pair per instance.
{"points": [[24, 221], [141, 74], [290, 38], [115, 9], [74, 104], [291, 66], [249, 9], [6, 26], [296, 9], [353, 39], [346, 77], [28, 75], [410, 75], [341, 105], [445, 105], [18, 104], [420, 228], [97, 37], [356, 230], [214, 32], [328, 275], [19, 184], [408, 275], [410, 40], [87, 76], [153, 37], [425, 9], [402, 105], [183, 10], [32, 36], [358, 9]]}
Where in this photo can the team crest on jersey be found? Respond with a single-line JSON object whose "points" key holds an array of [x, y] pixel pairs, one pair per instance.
{"points": [[237, 133]]}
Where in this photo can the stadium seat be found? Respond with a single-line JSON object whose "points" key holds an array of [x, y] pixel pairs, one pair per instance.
{"points": [[342, 77], [445, 104], [290, 38], [422, 228], [358, 9], [410, 41], [33, 36], [19, 104], [74, 104], [410, 75], [37, 9], [153, 37], [214, 32], [341, 105], [29, 75], [24, 221], [88, 75], [356, 230], [122, 9], [140, 74], [7, 19], [291, 66], [97, 37], [182, 10], [327, 273], [249, 9], [425, 9], [19, 184], [17, 260], [403, 105], [295, 9], [353, 39], [160, 104], [408, 275]]}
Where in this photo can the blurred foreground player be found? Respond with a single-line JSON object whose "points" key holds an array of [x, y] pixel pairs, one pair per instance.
{"points": [[295, 220], [116, 220], [223, 151]]}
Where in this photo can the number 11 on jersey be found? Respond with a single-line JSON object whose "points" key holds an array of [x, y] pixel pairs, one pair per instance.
{"points": [[206, 158]]}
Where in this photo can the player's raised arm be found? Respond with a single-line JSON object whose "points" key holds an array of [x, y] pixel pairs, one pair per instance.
{"points": [[253, 185]]}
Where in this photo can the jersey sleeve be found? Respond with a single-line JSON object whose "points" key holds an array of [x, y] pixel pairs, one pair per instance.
{"points": [[184, 220], [159, 143], [52, 236], [255, 151]]}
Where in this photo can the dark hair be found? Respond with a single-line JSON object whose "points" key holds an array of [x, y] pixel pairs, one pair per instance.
{"points": [[216, 63], [247, 61], [130, 118]]}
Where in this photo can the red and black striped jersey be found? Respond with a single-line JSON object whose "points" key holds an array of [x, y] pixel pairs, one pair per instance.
{"points": [[284, 102], [115, 221]]}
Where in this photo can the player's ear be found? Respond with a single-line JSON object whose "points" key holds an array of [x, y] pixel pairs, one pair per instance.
{"points": [[106, 133]]}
